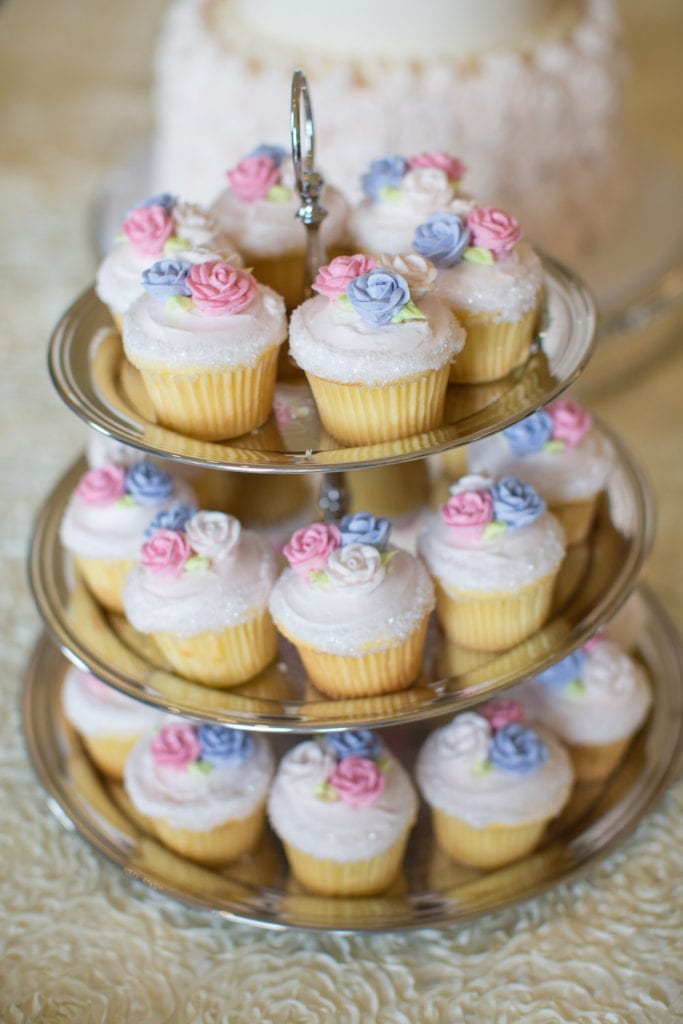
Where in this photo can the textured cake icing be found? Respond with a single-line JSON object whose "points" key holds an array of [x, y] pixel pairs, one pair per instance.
{"points": [[507, 289], [530, 95], [95, 709]]}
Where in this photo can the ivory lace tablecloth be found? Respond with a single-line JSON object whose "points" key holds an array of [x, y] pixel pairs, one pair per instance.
{"points": [[79, 940]]}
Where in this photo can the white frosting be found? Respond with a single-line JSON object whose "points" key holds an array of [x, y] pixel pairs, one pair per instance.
{"points": [[231, 591], [330, 830], [496, 797], [95, 709], [507, 288], [613, 705], [574, 473], [334, 342], [351, 620], [154, 335], [389, 225], [198, 801], [510, 561], [266, 229], [101, 450], [116, 530]]}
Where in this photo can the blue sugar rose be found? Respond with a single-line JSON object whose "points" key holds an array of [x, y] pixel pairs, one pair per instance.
{"points": [[515, 502], [354, 743], [171, 519], [442, 239], [378, 296], [364, 528], [530, 434], [568, 670], [164, 199], [147, 483], [516, 748], [220, 744], [166, 279], [387, 172], [276, 153]]}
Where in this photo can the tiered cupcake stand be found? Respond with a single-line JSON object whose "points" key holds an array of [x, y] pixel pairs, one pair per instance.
{"points": [[597, 587]]}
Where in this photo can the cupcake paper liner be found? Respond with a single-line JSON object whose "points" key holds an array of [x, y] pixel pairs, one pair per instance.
{"points": [[105, 578], [596, 761], [109, 751], [347, 878], [488, 847], [492, 350], [219, 845], [576, 518]]}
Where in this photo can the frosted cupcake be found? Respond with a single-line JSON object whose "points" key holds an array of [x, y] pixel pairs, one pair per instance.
{"points": [[106, 518], [108, 722], [494, 553], [375, 350], [399, 194], [356, 610], [160, 227], [203, 787], [595, 700], [493, 784], [259, 210], [559, 452], [343, 808], [205, 338], [201, 590], [493, 283]]}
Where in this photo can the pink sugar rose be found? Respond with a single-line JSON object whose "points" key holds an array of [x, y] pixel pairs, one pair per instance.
{"points": [[219, 289], [147, 228], [595, 641], [176, 746], [500, 713], [570, 421], [95, 687], [453, 168], [102, 486], [357, 781], [166, 552], [253, 178], [493, 229], [468, 509], [333, 279], [310, 547]]}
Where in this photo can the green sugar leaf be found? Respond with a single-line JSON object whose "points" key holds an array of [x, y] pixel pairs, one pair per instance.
{"points": [[197, 563], [388, 194], [475, 254], [324, 791], [279, 194], [179, 302], [176, 243], [408, 312], [494, 529], [553, 446], [127, 501]]}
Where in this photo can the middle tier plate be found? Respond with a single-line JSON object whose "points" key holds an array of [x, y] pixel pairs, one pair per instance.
{"points": [[596, 578]]}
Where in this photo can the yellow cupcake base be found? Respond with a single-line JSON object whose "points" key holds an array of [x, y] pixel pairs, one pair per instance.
{"points": [[496, 620], [348, 878], [492, 350], [222, 659], [576, 518], [489, 847], [219, 845], [211, 404], [105, 578], [109, 751], [593, 762], [358, 414]]}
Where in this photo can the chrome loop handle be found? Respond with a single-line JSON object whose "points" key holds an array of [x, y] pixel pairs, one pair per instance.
{"points": [[309, 183]]}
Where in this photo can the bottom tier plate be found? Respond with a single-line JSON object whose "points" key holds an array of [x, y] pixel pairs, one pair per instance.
{"points": [[432, 889]]}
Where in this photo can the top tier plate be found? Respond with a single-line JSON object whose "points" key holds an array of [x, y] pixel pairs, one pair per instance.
{"points": [[94, 378]]}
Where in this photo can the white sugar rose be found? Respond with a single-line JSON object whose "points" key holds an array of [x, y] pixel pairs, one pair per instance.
{"points": [[307, 766], [213, 534], [427, 188], [465, 743], [416, 270], [194, 223], [608, 672], [204, 253], [472, 482], [356, 565]]}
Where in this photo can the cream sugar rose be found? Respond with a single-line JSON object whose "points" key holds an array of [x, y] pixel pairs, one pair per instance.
{"points": [[343, 807], [201, 590], [376, 348], [494, 553], [491, 281], [558, 451], [205, 338], [356, 611]]}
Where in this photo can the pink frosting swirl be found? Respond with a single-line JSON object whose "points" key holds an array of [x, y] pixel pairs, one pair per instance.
{"points": [[102, 486], [310, 547], [147, 228], [469, 510], [453, 168], [500, 713], [166, 552], [253, 178], [494, 229], [357, 781], [571, 422], [219, 288], [333, 279], [176, 746]]}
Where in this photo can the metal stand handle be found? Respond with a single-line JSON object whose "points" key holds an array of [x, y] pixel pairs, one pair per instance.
{"points": [[309, 183]]}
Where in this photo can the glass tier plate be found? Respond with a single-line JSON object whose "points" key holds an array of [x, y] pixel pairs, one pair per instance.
{"points": [[596, 577], [95, 379], [432, 889]]}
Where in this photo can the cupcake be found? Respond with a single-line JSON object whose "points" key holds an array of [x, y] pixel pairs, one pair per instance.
{"points": [[399, 194], [491, 281], [560, 453], [595, 700], [494, 553], [259, 210], [106, 518], [493, 784], [343, 808], [377, 359], [205, 338], [160, 227], [202, 787], [201, 590], [108, 722], [356, 610]]}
